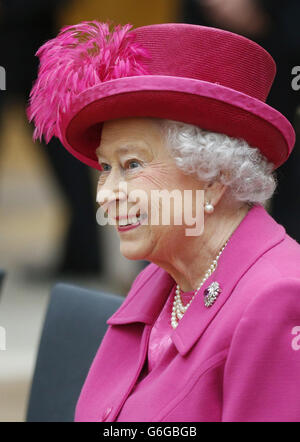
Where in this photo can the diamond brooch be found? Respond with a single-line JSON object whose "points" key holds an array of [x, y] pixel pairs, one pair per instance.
{"points": [[211, 293]]}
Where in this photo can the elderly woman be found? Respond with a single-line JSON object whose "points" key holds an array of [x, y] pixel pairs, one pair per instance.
{"points": [[210, 330]]}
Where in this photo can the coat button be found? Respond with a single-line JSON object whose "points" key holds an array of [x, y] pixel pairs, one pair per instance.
{"points": [[106, 413]]}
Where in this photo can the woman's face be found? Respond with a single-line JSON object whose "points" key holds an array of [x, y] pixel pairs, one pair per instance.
{"points": [[134, 158]]}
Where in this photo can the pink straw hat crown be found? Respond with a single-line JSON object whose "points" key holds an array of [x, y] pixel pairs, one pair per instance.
{"points": [[209, 77]]}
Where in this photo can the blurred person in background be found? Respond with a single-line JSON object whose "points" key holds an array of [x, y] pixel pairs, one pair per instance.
{"points": [[274, 24], [209, 329], [24, 26]]}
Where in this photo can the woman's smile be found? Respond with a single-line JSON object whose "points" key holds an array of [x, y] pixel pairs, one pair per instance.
{"points": [[125, 224], [128, 227]]}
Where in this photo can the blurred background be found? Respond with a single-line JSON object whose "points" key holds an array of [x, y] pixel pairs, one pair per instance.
{"points": [[48, 229]]}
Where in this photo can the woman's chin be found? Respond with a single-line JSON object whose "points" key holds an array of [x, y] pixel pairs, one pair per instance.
{"points": [[133, 251]]}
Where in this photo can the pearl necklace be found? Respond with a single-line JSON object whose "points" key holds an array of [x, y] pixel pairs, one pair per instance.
{"points": [[178, 308]]}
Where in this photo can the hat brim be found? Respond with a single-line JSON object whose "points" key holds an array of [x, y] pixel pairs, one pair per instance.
{"points": [[210, 106]]}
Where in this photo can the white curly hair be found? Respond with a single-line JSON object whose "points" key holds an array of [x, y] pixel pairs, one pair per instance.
{"points": [[250, 177]]}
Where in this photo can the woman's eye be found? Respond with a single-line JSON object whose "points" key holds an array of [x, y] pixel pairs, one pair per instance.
{"points": [[135, 164], [105, 167]]}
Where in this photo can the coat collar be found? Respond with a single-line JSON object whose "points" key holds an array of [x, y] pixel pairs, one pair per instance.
{"points": [[256, 234]]}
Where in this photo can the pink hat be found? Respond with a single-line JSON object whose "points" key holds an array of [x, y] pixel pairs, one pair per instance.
{"points": [[204, 76]]}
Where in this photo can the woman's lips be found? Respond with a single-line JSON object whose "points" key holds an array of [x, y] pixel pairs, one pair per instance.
{"points": [[129, 227], [134, 225]]}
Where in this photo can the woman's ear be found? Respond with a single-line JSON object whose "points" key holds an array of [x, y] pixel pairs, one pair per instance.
{"points": [[215, 192]]}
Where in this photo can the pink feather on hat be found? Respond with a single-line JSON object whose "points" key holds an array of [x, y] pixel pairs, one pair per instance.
{"points": [[80, 57]]}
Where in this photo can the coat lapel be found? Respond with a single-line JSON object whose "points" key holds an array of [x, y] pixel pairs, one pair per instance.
{"points": [[146, 299], [256, 234]]}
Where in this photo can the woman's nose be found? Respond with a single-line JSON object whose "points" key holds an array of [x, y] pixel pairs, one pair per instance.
{"points": [[114, 189]]}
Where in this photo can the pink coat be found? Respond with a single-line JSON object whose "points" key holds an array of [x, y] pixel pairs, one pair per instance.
{"points": [[238, 360]]}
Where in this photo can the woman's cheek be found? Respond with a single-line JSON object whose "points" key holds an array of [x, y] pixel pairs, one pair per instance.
{"points": [[157, 178], [101, 180]]}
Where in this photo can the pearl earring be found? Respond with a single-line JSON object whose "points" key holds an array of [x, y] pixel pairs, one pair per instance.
{"points": [[209, 208]]}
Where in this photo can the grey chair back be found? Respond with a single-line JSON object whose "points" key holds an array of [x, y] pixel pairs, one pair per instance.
{"points": [[74, 326]]}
